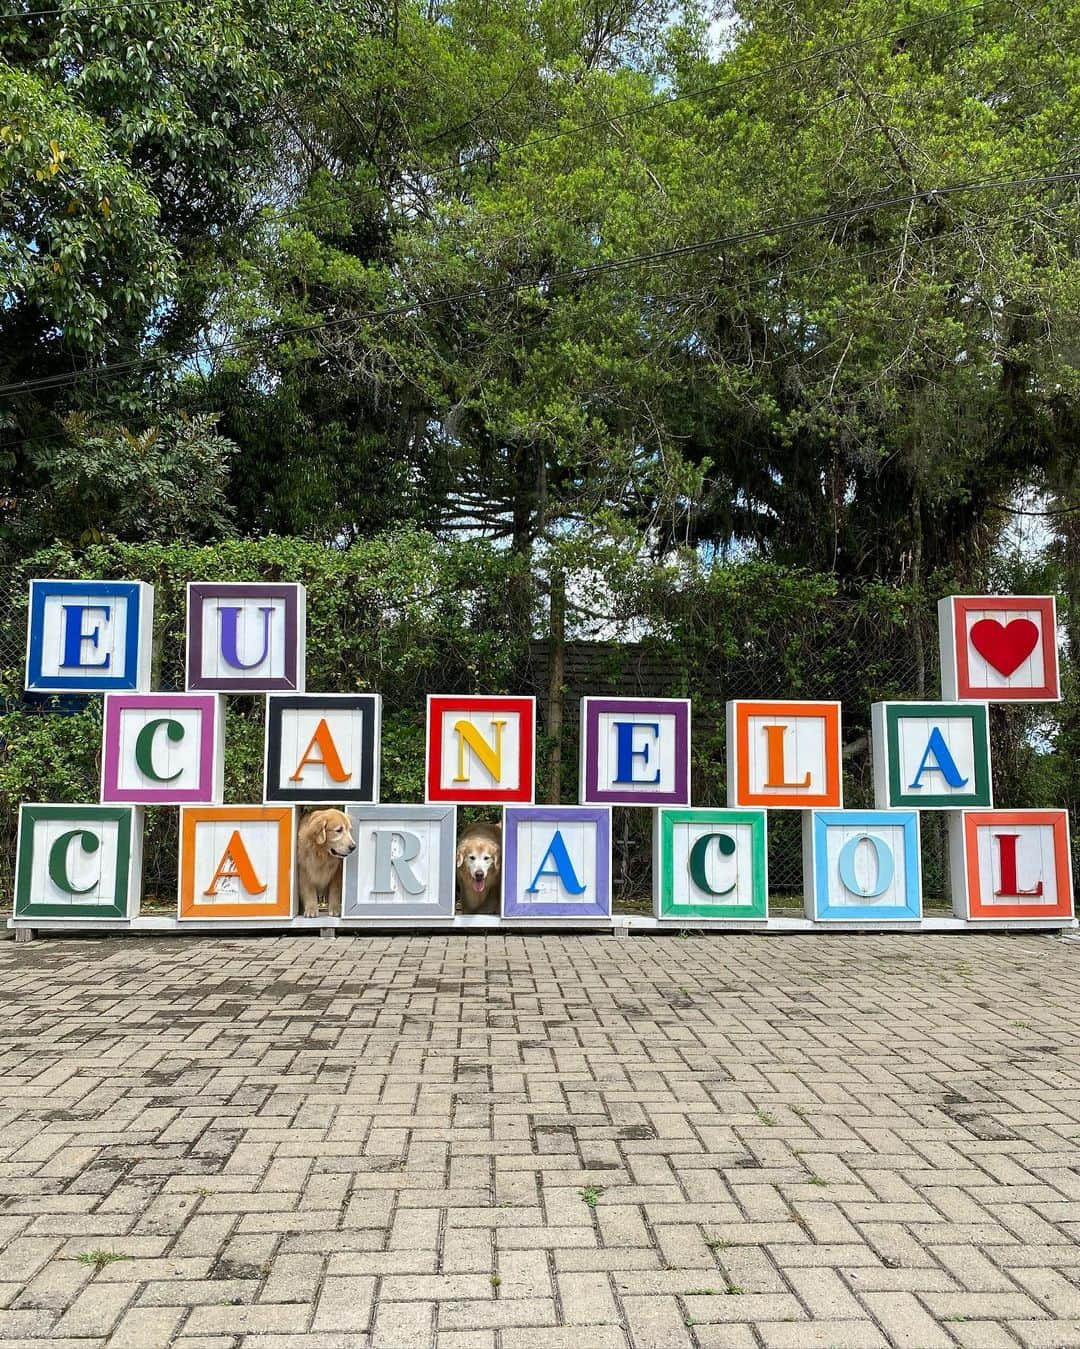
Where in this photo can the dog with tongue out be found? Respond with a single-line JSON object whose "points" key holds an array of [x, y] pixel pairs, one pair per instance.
{"points": [[479, 853]]}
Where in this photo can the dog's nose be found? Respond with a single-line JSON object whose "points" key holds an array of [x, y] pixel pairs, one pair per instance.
{"points": [[350, 849]]}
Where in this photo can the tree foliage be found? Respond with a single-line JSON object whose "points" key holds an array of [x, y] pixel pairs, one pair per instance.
{"points": [[385, 244]]}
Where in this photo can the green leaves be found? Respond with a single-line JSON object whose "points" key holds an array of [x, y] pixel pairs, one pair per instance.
{"points": [[82, 242]]}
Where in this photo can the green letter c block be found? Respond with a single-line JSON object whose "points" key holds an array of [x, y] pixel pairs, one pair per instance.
{"points": [[144, 747], [58, 859], [726, 844]]}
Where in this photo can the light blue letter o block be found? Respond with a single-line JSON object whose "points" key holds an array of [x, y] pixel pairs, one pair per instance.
{"points": [[885, 865]]}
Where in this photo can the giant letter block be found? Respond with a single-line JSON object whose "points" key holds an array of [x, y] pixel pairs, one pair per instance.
{"points": [[710, 864], [999, 648], [557, 862], [862, 865], [89, 636], [236, 862], [934, 756], [784, 754], [480, 749], [635, 752], [403, 866], [1010, 864], [78, 862], [322, 747], [163, 749], [246, 637]]}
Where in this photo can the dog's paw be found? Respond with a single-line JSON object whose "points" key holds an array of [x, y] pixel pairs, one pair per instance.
{"points": [[310, 908]]}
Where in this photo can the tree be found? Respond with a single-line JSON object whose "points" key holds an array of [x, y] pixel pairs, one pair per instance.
{"points": [[106, 482]]}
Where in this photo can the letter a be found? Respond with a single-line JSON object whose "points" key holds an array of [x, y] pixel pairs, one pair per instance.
{"points": [[775, 776], [943, 762], [1010, 886], [330, 759], [564, 868], [235, 862]]}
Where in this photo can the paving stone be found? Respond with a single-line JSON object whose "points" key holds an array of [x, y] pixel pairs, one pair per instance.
{"points": [[344, 1303], [308, 1145], [404, 1325], [656, 1322], [147, 1327], [96, 1309]]}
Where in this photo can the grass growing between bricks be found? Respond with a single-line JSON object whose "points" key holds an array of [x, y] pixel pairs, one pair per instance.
{"points": [[99, 1259]]}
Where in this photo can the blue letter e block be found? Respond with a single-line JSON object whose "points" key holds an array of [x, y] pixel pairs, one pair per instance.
{"points": [[89, 636]]}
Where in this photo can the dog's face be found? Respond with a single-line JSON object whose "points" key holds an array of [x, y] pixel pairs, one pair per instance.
{"points": [[478, 859], [333, 832]]}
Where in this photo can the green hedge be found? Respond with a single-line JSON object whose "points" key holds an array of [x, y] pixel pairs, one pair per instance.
{"points": [[405, 615]]}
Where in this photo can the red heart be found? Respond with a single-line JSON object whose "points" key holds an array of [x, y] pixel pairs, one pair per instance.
{"points": [[1005, 646]]}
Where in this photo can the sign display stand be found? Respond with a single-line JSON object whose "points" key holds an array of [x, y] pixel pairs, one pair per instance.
{"points": [[79, 866]]}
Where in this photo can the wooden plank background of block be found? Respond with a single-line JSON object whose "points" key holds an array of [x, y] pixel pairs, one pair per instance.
{"points": [[933, 756], [557, 862], [480, 749], [1010, 864], [322, 747], [89, 636], [237, 862], [82, 863], [999, 648], [403, 866], [862, 866], [710, 864], [163, 749], [246, 637], [635, 752], [784, 754]]}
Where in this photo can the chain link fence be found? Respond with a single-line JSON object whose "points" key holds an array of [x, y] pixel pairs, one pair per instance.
{"points": [[839, 647]]}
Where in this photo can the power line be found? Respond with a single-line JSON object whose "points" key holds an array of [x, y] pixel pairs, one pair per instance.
{"points": [[1045, 515], [781, 270], [930, 196]]}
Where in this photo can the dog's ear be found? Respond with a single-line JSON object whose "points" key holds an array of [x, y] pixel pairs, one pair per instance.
{"points": [[320, 837], [460, 862], [496, 856]]}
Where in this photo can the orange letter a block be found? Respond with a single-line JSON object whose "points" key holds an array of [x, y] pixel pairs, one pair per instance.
{"points": [[235, 863], [330, 760]]}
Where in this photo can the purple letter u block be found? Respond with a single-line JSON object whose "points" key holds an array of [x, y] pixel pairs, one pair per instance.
{"points": [[247, 637], [635, 752], [557, 862]]}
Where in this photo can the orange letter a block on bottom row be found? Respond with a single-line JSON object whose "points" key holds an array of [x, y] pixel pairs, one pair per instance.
{"points": [[236, 862]]}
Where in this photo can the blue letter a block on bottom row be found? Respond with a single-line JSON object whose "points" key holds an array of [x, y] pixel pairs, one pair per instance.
{"points": [[557, 862]]}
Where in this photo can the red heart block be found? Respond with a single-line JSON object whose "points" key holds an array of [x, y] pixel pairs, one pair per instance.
{"points": [[1005, 646]]}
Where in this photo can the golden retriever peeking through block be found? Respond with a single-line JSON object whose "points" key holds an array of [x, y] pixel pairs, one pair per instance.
{"points": [[323, 841], [479, 853]]}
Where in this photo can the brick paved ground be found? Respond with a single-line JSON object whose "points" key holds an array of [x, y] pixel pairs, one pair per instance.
{"points": [[525, 1144]]}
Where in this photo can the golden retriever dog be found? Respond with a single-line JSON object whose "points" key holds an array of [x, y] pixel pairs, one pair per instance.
{"points": [[479, 854], [323, 840]]}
